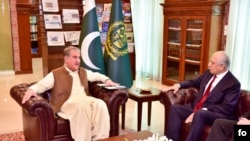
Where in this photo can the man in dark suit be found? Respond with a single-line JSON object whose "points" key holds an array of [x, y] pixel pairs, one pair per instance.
{"points": [[220, 100], [222, 129]]}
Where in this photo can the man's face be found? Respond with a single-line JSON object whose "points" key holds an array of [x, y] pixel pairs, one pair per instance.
{"points": [[73, 60], [215, 66]]}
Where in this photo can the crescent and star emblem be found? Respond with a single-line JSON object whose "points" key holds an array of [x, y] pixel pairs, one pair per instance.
{"points": [[84, 50]]}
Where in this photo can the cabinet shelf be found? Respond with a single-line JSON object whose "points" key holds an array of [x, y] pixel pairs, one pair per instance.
{"points": [[193, 45], [174, 43], [194, 29], [174, 28], [193, 62], [173, 58]]}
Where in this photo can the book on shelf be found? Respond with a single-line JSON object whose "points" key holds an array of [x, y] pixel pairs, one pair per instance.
{"points": [[131, 47], [127, 17], [128, 27], [126, 7], [107, 7], [174, 51], [103, 37], [105, 16], [192, 54], [105, 26], [130, 37], [99, 8]]}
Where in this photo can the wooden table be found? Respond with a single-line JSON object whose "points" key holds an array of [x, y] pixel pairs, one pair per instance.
{"points": [[141, 97], [131, 136]]}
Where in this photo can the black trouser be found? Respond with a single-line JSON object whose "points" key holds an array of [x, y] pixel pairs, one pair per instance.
{"points": [[222, 130]]}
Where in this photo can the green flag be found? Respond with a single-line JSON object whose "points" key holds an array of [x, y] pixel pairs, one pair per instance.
{"points": [[116, 55], [90, 41]]}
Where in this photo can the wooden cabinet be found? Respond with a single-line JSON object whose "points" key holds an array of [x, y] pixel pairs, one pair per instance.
{"points": [[192, 32], [23, 11]]}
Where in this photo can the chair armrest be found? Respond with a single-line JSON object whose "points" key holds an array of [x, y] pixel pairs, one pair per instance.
{"points": [[114, 99], [35, 106], [118, 96], [182, 96]]}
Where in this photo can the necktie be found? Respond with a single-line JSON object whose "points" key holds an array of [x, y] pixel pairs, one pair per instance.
{"points": [[204, 97]]}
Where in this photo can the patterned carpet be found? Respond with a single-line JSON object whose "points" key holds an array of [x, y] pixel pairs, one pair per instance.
{"points": [[18, 136]]}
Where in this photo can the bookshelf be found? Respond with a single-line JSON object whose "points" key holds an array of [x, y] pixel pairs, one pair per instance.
{"points": [[35, 51], [192, 32], [51, 52]]}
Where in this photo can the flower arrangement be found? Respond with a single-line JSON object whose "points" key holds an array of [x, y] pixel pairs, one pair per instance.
{"points": [[154, 137]]}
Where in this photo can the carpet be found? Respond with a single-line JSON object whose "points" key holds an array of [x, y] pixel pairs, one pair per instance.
{"points": [[15, 136], [18, 136]]}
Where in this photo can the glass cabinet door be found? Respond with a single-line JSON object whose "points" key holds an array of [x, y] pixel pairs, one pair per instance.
{"points": [[33, 35], [173, 49], [194, 35]]}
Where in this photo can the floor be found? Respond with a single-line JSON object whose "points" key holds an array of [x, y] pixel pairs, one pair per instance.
{"points": [[11, 116]]}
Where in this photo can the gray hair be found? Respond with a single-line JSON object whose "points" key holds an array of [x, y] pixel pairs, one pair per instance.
{"points": [[66, 51], [224, 59]]}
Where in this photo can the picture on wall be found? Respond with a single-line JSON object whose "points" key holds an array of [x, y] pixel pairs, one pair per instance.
{"points": [[130, 37], [128, 27], [55, 38], [52, 21], [50, 5], [70, 16]]}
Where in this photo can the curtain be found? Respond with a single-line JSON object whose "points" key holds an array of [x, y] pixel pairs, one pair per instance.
{"points": [[238, 41], [147, 16]]}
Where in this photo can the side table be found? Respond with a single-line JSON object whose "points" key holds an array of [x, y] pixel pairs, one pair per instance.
{"points": [[141, 97]]}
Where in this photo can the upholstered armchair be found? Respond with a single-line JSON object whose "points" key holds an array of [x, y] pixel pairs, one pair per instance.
{"points": [[40, 123], [185, 96]]}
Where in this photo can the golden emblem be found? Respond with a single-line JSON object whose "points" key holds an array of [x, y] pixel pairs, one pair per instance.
{"points": [[116, 44]]}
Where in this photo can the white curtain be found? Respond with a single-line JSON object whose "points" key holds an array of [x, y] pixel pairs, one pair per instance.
{"points": [[147, 16], [238, 41]]}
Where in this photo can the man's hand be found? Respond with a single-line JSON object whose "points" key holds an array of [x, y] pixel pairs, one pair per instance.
{"points": [[109, 82], [190, 118], [243, 121], [175, 87], [28, 94]]}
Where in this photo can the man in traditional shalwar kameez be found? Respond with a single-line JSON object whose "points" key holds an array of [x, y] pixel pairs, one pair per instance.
{"points": [[88, 116]]}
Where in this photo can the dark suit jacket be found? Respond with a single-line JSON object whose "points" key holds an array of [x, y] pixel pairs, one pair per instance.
{"points": [[224, 97]]}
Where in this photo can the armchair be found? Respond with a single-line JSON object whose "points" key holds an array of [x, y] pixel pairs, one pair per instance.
{"points": [[40, 123], [185, 96]]}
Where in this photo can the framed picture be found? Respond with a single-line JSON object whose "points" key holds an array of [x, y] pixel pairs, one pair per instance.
{"points": [[70, 16], [131, 47], [130, 37], [127, 17], [52, 21], [128, 27], [50, 5], [55, 38]]}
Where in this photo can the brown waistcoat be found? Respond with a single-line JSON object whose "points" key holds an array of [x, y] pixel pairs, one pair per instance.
{"points": [[63, 85]]}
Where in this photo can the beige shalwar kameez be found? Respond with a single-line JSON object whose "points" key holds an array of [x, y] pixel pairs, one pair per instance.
{"points": [[88, 116]]}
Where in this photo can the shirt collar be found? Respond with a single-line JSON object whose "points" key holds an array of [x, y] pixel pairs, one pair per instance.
{"points": [[221, 75], [70, 71]]}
